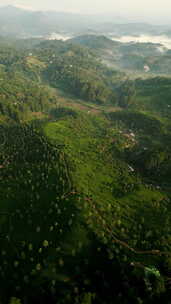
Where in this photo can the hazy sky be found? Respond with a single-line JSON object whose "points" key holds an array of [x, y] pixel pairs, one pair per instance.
{"points": [[140, 8]]}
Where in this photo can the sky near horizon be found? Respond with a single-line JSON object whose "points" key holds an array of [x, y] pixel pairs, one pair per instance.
{"points": [[145, 8]]}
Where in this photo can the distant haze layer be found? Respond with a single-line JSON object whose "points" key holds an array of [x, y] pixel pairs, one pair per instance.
{"points": [[162, 39], [149, 11], [56, 36]]}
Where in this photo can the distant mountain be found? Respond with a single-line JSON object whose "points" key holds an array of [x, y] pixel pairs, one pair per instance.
{"points": [[132, 28], [18, 22], [15, 21]]}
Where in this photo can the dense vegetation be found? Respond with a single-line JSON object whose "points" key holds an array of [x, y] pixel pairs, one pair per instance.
{"points": [[85, 168], [131, 57]]}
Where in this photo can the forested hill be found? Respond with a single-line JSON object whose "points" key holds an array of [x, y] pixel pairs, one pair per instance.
{"points": [[134, 58], [85, 167]]}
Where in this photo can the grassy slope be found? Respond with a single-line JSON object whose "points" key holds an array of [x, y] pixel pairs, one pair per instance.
{"points": [[112, 202], [122, 196], [42, 233]]}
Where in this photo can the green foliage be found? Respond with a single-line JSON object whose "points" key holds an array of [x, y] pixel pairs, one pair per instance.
{"points": [[87, 298], [84, 186], [21, 97], [138, 121], [153, 95], [79, 73], [126, 94], [14, 301]]}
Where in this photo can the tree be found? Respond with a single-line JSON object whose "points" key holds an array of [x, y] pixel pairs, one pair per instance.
{"points": [[127, 94]]}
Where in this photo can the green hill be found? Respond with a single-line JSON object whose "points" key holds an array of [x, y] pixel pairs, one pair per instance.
{"points": [[128, 57], [85, 166]]}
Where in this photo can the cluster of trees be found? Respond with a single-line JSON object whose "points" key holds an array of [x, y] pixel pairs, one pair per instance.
{"points": [[154, 95], [9, 55], [126, 94], [78, 72], [72, 68], [138, 121], [78, 224], [82, 251], [20, 97], [151, 151]]}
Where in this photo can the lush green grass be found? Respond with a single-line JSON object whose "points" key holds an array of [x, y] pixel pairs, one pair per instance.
{"points": [[100, 171]]}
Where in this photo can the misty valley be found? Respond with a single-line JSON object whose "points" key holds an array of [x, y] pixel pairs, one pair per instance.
{"points": [[85, 160]]}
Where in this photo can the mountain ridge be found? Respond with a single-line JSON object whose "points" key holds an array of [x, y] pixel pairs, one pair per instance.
{"points": [[19, 22]]}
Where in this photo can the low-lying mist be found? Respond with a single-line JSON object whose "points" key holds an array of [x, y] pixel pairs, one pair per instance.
{"points": [[161, 39]]}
